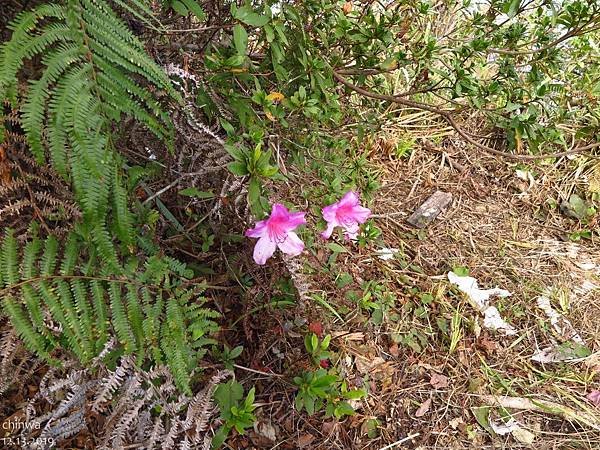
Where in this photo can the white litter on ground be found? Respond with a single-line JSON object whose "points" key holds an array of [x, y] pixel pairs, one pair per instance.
{"points": [[386, 253], [564, 328], [480, 298], [515, 428], [502, 429]]}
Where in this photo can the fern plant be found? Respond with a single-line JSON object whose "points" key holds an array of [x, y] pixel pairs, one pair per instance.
{"points": [[95, 72], [65, 300]]}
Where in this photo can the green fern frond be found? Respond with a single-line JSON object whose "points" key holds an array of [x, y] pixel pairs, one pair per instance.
{"points": [[144, 306], [100, 313], [32, 339], [10, 271], [124, 220], [119, 318], [95, 71]]}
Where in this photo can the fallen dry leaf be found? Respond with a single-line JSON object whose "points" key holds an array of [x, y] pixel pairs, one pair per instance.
{"points": [[594, 397], [266, 430], [365, 365], [5, 176], [438, 381], [523, 436], [456, 422], [424, 408], [488, 345], [394, 350], [328, 427], [304, 440]]}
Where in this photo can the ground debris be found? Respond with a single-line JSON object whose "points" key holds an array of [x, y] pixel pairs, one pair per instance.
{"points": [[428, 211]]}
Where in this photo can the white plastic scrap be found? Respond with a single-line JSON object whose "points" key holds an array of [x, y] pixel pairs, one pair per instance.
{"points": [[564, 328], [512, 426], [480, 298], [502, 429], [386, 253], [525, 175]]}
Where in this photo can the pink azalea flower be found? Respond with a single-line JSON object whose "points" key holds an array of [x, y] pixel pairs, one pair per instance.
{"points": [[347, 213], [276, 231]]}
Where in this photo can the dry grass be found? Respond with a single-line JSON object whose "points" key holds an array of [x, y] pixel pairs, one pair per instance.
{"points": [[506, 231]]}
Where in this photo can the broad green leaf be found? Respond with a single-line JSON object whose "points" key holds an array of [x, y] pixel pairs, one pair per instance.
{"points": [[235, 60], [227, 395], [482, 415], [219, 438], [195, 8], [179, 8], [240, 39], [249, 17], [254, 191], [511, 7], [238, 168], [336, 248]]}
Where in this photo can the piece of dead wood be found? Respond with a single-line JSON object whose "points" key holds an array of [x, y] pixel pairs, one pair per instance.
{"points": [[428, 211], [542, 406]]}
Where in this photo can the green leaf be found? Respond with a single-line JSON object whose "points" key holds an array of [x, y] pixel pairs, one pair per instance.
{"points": [[336, 248], [343, 409], [309, 404], [314, 342], [324, 381], [240, 39], [577, 206], [220, 437], [236, 152], [196, 193], [227, 395], [237, 351], [254, 191], [249, 402], [249, 17], [268, 171], [179, 8], [461, 271], [235, 60], [343, 279], [195, 8], [355, 394], [482, 415], [238, 168], [511, 7]]}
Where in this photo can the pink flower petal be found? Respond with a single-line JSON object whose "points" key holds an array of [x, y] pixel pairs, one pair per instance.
{"points": [[259, 229], [296, 219], [292, 245], [350, 198], [361, 214], [346, 213], [327, 233], [277, 231], [279, 211], [329, 212], [263, 250], [351, 231]]}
